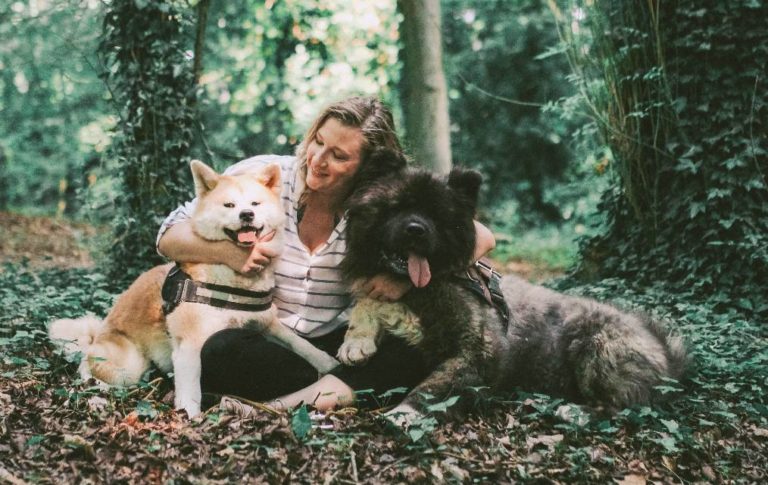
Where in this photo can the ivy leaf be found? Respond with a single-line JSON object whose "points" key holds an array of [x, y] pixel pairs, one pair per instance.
{"points": [[301, 423], [696, 208]]}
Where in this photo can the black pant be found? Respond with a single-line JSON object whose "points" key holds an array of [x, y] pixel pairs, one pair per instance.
{"points": [[241, 362]]}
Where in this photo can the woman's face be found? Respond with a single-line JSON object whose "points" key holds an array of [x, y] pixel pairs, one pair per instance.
{"points": [[333, 157]]}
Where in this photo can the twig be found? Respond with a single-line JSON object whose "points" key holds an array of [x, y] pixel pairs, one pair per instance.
{"points": [[7, 476], [354, 466]]}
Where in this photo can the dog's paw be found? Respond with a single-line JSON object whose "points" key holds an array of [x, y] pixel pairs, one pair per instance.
{"points": [[192, 408], [403, 416], [356, 350]]}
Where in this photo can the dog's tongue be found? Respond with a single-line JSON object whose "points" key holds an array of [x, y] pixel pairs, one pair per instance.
{"points": [[248, 237], [418, 270]]}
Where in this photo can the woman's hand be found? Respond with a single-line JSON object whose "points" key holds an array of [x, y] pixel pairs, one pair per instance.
{"points": [[180, 243], [383, 287], [250, 260]]}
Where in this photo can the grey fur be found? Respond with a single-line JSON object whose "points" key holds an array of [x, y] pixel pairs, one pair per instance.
{"points": [[566, 346]]}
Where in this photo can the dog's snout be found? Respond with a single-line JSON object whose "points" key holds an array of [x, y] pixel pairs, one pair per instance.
{"points": [[246, 215], [415, 229]]}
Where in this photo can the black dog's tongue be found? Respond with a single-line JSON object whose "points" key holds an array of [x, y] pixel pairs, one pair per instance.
{"points": [[418, 270]]}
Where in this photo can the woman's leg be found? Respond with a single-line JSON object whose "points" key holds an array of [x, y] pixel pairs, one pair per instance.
{"points": [[327, 393], [241, 362]]}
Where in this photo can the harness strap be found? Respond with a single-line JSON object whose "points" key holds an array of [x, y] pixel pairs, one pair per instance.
{"points": [[485, 282], [180, 287]]}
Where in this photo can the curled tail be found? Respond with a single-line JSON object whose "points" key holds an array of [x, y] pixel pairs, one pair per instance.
{"points": [[74, 336], [623, 357]]}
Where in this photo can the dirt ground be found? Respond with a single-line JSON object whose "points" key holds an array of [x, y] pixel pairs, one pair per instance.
{"points": [[44, 241]]}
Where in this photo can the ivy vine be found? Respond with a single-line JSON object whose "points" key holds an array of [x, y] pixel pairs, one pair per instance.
{"points": [[150, 75], [680, 93]]}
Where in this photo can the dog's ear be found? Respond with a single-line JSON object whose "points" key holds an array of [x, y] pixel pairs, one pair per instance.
{"points": [[270, 177], [378, 163], [205, 177], [467, 183]]}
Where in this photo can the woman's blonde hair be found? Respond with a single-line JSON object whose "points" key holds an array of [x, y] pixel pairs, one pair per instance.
{"points": [[369, 114]]}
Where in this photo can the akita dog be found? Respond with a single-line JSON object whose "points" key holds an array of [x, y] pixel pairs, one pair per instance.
{"points": [[167, 314]]}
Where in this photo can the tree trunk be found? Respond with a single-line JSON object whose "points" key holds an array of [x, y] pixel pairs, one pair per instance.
{"points": [[424, 94], [202, 19]]}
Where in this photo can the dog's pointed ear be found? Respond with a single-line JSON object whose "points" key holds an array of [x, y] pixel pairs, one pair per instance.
{"points": [[466, 182], [205, 177], [270, 177], [378, 163]]}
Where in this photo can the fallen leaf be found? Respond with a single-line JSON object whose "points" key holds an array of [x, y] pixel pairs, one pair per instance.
{"points": [[632, 479]]}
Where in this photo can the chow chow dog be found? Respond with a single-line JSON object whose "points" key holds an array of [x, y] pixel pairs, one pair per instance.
{"points": [[418, 227], [167, 314]]}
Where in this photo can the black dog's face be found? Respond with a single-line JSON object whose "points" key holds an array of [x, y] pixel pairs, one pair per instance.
{"points": [[413, 225]]}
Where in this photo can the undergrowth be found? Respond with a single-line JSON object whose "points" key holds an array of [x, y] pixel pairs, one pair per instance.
{"points": [[54, 427]]}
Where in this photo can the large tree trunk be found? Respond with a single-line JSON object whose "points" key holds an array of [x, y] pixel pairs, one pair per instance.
{"points": [[424, 93]]}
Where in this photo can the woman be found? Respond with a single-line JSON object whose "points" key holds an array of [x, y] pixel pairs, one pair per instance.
{"points": [[310, 294]]}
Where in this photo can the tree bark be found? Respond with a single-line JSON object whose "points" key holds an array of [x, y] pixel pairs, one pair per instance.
{"points": [[202, 19], [424, 95]]}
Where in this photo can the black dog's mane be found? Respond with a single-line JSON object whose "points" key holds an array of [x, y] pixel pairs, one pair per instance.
{"points": [[387, 188]]}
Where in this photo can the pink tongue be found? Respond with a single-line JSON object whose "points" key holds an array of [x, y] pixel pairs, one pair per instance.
{"points": [[247, 237], [418, 270]]}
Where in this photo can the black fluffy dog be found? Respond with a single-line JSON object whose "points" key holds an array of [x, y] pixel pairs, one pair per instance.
{"points": [[419, 227]]}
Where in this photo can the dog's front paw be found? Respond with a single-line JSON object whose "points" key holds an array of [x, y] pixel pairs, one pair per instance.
{"points": [[192, 408], [356, 350]]}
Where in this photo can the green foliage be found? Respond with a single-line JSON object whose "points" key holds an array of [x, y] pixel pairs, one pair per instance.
{"points": [[678, 91], [149, 72], [301, 423], [271, 66], [497, 88], [52, 106], [710, 427]]}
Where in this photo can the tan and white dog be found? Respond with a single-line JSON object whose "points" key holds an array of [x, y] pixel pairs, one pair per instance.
{"points": [[245, 209]]}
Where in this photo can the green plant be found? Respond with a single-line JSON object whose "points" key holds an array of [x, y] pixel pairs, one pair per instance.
{"points": [[678, 92], [150, 76]]}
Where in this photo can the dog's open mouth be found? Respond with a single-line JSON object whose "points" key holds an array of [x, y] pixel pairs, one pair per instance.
{"points": [[245, 236], [414, 265]]}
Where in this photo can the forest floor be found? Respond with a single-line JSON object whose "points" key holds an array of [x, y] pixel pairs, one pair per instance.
{"points": [[55, 428]]}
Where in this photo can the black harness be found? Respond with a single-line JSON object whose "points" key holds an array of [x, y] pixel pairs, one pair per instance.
{"points": [[180, 287], [485, 282]]}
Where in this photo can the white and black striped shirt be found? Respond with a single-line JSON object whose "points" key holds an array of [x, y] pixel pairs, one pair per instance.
{"points": [[310, 295]]}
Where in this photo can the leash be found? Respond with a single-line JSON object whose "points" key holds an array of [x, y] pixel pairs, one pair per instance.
{"points": [[180, 287]]}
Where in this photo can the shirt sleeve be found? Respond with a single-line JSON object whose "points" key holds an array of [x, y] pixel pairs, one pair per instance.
{"points": [[181, 214]]}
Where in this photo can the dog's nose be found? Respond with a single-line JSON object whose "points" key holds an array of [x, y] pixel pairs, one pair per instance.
{"points": [[415, 229], [246, 215]]}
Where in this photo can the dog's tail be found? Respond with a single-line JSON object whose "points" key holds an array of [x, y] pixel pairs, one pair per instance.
{"points": [[625, 358], [74, 336]]}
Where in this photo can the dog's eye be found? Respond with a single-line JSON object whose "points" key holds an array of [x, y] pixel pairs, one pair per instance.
{"points": [[254, 203], [229, 205]]}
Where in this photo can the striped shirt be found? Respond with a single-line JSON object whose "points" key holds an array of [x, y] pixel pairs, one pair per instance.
{"points": [[310, 295]]}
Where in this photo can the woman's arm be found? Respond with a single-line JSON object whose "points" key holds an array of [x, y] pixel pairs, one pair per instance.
{"points": [[386, 288], [484, 241], [180, 243]]}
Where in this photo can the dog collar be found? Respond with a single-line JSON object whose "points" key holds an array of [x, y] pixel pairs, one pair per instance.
{"points": [[485, 282], [180, 287]]}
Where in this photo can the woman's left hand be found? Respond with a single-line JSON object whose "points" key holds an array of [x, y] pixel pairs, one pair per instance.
{"points": [[383, 287]]}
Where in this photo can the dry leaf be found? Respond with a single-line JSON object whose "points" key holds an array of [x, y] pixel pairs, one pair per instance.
{"points": [[632, 479]]}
